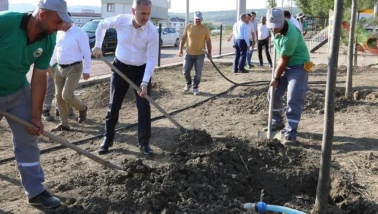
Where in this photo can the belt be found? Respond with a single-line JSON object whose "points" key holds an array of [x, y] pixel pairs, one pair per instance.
{"points": [[129, 66], [69, 65]]}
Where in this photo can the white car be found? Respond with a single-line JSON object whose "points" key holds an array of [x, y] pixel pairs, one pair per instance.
{"points": [[169, 36]]}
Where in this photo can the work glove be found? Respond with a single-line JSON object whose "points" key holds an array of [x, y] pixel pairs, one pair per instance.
{"points": [[308, 66], [97, 52]]}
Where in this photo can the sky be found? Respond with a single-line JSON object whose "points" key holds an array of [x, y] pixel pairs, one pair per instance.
{"points": [[176, 5]]}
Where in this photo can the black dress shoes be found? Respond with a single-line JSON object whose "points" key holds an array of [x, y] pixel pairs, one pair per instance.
{"points": [[45, 200], [146, 150], [104, 148]]}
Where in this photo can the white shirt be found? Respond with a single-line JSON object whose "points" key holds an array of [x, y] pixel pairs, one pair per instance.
{"points": [[241, 31], [296, 23], [263, 31], [135, 46], [71, 46], [252, 30]]}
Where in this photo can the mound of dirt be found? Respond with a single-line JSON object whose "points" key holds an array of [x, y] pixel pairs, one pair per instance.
{"points": [[97, 96], [255, 103], [195, 137], [216, 180]]}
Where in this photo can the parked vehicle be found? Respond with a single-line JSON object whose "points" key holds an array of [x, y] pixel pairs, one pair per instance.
{"points": [[169, 36], [110, 40]]}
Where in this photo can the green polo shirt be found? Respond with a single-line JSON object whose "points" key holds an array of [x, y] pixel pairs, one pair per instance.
{"points": [[292, 44], [17, 53]]}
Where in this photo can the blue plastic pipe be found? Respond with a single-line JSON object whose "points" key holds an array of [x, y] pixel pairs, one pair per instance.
{"points": [[263, 207]]}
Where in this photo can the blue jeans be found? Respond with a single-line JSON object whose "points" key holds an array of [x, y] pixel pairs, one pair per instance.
{"points": [[240, 55], [295, 81], [249, 54], [197, 62], [25, 145]]}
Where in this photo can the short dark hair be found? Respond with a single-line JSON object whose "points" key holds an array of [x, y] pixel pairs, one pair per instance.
{"points": [[287, 14], [249, 15], [253, 12]]}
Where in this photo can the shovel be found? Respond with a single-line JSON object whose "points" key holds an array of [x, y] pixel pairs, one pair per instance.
{"points": [[181, 128], [270, 134], [64, 142]]}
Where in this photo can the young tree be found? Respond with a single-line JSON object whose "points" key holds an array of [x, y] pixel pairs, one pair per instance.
{"points": [[349, 80], [322, 191], [271, 4]]}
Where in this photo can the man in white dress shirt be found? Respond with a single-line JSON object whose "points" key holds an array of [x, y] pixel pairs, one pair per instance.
{"points": [[136, 57], [72, 44]]}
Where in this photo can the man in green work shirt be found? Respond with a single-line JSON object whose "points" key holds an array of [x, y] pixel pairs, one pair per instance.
{"points": [[28, 39], [290, 74]]}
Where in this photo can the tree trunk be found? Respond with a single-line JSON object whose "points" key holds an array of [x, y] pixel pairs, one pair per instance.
{"points": [[322, 190], [349, 80], [356, 44]]}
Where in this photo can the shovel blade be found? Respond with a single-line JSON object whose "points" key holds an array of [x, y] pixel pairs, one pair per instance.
{"points": [[275, 135]]}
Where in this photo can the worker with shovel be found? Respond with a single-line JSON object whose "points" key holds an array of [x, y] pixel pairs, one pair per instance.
{"points": [[290, 74], [136, 57], [28, 39]]}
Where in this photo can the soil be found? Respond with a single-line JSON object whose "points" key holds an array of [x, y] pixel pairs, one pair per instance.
{"points": [[218, 163]]}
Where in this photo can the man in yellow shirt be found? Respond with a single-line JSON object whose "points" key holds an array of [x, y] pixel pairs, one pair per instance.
{"points": [[195, 36]]}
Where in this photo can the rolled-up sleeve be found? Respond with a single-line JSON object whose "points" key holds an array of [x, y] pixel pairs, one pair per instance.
{"points": [[105, 24], [152, 54]]}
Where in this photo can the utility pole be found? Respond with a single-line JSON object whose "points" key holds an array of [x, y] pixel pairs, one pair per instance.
{"points": [[241, 7], [187, 13]]}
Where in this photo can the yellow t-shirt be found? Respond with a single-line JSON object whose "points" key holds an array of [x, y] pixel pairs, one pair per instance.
{"points": [[196, 36]]}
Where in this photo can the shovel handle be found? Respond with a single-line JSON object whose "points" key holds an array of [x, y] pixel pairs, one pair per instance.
{"points": [[63, 142], [181, 128]]}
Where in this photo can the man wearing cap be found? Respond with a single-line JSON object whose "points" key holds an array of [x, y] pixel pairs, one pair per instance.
{"points": [[195, 36], [302, 23], [241, 35], [289, 75], [136, 57], [28, 39], [72, 45]]}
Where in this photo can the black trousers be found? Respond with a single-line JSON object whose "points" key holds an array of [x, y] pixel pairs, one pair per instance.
{"points": [[118, 90], [260, 45]]}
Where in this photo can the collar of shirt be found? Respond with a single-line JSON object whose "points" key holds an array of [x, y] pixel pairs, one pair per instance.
{"points": [[131, 23], [24, 25]]}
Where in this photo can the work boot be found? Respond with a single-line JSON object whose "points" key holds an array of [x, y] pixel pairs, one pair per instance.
{"points": [[47, 116], [275, 127], [196, 91], [60, 127], [82, 115], [45, 200], [146, 150], [187, 88], [104, 148]]}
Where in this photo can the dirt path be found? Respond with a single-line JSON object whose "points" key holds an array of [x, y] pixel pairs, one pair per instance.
{"points": [[197, 174]]}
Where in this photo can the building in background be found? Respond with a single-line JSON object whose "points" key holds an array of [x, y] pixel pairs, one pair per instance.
{"points": [[86, 15], [159, 12], [177, 23], [4, 5]]}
